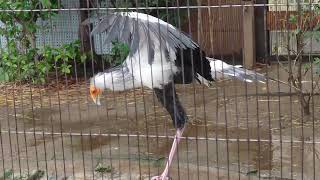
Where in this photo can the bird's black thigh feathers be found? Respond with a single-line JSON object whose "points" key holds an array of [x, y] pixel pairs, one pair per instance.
{"points": [[169, 99], [188, 59]]}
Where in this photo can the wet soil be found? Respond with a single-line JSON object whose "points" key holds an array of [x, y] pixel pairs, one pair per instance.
{"points": [[232, 132]]}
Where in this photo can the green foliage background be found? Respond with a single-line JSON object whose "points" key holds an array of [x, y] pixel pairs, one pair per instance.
{"points": [[21, 60]]}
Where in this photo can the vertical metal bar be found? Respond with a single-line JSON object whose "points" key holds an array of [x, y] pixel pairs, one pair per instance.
{"points": [[153, 93], [145, 115], [236, 101], [167, 20], [24, 128], [9, 130], [16, 124], [136, 110], [110, 154], [97, 110], [126, 107], [162, 73], [34, 128], [53, 138], [60, 116], [45, 154], [216, 90], [1, 138], [187, 150], [43, 136], [224, 99], [113, 94], [41, 106], [50, 103], [247, 105], [290, 88], [217, 105], [176, 21], [100, 151], [193, 87], [91, 154], [93, 71], [83, 4], [258, 123], [2, 154], [41, 100], [72, 153], [300, 26], [310, 57], [187, 140], [127, 118], [279, 100], [144, 101], [66, 90], [103, 66], [119, 156], [199, 13], [265, 8], [200, 34]]}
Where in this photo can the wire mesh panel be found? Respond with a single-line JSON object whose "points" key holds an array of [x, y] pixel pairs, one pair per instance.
{"points": [[88, 92]]}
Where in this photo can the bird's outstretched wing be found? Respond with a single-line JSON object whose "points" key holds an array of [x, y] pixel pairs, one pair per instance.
{"points": [[134, 28]]}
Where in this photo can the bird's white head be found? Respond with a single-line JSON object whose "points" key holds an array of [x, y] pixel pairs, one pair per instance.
{"points": [[95, 91]]}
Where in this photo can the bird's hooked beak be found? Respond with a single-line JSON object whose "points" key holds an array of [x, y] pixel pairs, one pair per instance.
{"points": [[95, 94]]}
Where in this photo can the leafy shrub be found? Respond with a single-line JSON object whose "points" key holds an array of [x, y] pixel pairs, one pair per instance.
{"points": [[118, 53], [35, 64], [66, 55], [21, 25]]}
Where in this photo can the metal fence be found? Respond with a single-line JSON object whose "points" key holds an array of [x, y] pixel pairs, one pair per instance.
{"points": [[236, 130]]}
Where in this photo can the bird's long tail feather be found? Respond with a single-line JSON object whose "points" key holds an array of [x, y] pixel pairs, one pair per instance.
{"points": [[222, 70], [244, 75]]}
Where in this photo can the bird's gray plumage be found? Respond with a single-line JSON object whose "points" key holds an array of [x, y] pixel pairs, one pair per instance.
{"points": [[136, 28]]}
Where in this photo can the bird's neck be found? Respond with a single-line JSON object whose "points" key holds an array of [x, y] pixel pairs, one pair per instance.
{"points": [[103, 81], [116, 81]]}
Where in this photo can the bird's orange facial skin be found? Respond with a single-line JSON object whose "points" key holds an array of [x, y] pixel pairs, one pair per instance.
{"points": [[95, 94]]}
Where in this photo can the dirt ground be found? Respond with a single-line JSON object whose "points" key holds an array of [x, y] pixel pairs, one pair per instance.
{"points": [[232, 133]]}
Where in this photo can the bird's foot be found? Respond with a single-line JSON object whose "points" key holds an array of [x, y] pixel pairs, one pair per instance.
{"points": [[164, 175], [160, 178]]}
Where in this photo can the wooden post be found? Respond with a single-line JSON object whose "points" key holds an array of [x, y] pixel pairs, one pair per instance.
{"points": [[261, 32], [84, 33], [249, 51]]}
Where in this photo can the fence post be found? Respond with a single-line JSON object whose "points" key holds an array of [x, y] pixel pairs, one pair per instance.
{"points": [[249, 51], [84, 32]]}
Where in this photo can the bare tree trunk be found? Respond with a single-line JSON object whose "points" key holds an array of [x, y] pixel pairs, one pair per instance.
{"points": [[299, 37]]}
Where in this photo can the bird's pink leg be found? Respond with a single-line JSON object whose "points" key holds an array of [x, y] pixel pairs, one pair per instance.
{"points": [[177, 138]]}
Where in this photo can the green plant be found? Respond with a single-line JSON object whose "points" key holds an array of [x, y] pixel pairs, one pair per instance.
{"points": [[65, 55], [306, 26], [7, 174], [17, 66], [19, 60], [100, 168], [118, 53], [20, 26]]}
